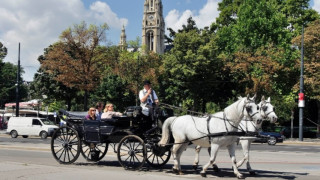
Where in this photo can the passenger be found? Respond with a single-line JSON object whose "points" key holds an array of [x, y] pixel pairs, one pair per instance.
{"points": [[109, 113], [91, 114], [149, 100], [99, 107]]}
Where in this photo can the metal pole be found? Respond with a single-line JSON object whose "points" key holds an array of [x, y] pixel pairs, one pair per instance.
{"points": [[17, 85], [301, 106]]}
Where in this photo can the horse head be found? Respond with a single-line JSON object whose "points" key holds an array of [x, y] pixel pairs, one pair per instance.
{"points": [[251, 109], [267, 110]]}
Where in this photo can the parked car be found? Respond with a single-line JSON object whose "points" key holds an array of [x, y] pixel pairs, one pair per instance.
{"points": [[272, 138], [28, 126]]}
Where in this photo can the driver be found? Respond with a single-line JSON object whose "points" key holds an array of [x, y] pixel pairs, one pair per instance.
{"points": [[148, 99]]}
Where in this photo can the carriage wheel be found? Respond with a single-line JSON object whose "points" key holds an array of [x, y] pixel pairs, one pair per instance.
{"points": [[65, 145], [131, 152], [93, 151], [157, 156]]}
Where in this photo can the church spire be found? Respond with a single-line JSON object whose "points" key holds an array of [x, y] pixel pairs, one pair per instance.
{"points": [[123, 39]]}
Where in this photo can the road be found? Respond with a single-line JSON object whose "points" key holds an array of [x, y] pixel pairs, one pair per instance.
{"points": [[31, 159]]}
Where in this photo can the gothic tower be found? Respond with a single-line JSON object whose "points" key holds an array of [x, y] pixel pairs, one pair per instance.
{"points": [[153, 26], [123, 39]]}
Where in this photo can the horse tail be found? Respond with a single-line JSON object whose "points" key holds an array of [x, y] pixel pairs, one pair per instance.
{"points": [[166, 131]]}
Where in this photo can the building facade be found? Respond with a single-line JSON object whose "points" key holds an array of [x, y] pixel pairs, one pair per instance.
{"points": [[153, 26]]}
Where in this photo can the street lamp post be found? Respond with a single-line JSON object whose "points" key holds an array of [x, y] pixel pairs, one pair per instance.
{"points": [[18, 84], [301, 103]]}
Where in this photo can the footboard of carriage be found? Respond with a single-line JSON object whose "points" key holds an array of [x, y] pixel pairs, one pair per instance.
{"points": [[133, 142]]}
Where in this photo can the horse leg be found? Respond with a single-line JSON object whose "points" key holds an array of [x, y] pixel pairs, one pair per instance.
{"points": [[177, 152], [245, 150], [213, 155], [251, 171], [196, 160], [231, 150], [214, 165]]}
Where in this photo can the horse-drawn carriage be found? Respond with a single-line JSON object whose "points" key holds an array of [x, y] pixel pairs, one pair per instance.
{"points": [[134, 138]]}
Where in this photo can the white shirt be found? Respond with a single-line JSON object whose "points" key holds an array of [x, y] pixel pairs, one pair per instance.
{"points": [[149, 101]]}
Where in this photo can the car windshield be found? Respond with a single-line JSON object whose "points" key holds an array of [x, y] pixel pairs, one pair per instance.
{"points": [[47, 122]]}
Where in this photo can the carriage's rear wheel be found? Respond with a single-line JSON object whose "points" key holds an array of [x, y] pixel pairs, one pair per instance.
{"points": [[65, 145], [157, 156], [93, 151], [131, 152]]}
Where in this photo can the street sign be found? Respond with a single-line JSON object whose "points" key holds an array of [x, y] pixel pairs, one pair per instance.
{"points": [[55, 114], [301, 102]]}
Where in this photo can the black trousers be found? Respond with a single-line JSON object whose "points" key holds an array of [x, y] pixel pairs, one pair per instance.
{"points": [[153, 109]]}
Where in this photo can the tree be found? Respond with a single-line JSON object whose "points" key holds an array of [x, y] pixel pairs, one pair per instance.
{"points": [[255, 45], [298, 13], [134, 67], [76, 58], [135, 44], [3, 51], [192, 68]]}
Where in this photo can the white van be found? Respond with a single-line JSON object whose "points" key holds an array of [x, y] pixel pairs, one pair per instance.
{"points": [[30, 126]]}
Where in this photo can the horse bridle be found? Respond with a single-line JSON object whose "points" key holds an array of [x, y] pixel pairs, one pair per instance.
{"points": [[266, 114], [250, 115]]}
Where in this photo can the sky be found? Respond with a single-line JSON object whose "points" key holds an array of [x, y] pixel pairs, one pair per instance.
{"points": [[36, 24]]}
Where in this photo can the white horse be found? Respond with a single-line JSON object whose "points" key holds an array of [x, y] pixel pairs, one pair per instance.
{"points": [[267, 113], [214, 131]]}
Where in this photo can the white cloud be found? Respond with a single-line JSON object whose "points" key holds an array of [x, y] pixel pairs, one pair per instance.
{"points": [[204, 17], [38, 23], [316, 5]]}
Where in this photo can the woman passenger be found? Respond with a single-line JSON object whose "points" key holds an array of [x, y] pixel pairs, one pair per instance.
{"points": [[109, 113], [91, 114]]}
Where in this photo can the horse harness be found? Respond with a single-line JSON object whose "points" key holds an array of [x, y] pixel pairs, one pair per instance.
{"points": [[232, 133]]}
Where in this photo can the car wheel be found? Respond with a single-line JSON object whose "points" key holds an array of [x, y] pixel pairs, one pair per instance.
{"points": [[14, 134], [43, 135], [25, 136], [272, 140]]}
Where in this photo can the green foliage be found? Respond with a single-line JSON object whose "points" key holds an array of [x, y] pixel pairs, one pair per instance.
{"points": [[192, 67], [3, 52], [8, 79], [55, 106], [113, 90]]}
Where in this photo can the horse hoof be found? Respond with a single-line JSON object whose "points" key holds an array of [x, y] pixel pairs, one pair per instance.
{"points": [[240, 176], [175, 170], [252, 172], [195, 167], [215, 168], [203, 174]]}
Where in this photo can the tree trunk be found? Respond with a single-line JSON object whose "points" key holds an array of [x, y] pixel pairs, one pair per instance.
{"points": [[69, 104], [85, 101]]}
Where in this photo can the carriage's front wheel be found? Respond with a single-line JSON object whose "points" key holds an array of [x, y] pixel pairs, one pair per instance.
{"points": [[131, 152], [65, 145], [93, 151]]}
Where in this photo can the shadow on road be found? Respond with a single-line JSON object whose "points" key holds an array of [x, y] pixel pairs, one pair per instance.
{"points": [[223, 173]]}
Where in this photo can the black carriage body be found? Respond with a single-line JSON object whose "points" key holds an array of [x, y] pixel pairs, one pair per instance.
{"points": [[113, 130], [92, 138]]}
